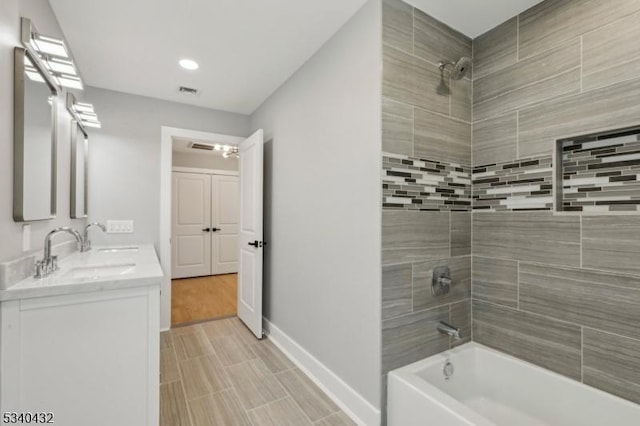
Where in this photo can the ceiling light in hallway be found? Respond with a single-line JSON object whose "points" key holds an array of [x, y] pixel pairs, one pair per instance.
{"points": [[189, 64]]}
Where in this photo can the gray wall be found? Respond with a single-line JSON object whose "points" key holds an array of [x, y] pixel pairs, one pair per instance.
{"points": [[322, 282], [124, 156], [44, 19], [550, 288], [204, 161], [422, 122]]}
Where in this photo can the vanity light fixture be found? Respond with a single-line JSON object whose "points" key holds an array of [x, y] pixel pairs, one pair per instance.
{"points": [[49, 45], [31, 71], [189, 64], [82, 112], [53, 54]]}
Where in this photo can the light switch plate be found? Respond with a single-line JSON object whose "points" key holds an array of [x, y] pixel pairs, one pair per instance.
{"points": [[26, 237], [119, 226]]}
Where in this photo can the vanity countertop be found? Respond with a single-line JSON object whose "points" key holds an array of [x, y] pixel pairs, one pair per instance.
{"points": [[100, 269]]}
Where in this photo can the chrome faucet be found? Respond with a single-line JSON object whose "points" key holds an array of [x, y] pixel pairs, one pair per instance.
{"points": [[49, 263], [86, 242], [449, 329]]}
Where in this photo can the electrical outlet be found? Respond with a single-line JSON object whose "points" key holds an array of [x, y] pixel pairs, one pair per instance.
{"points": [[119, 226]]}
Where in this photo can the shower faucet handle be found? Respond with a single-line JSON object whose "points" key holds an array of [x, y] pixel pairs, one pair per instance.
{"points": [[441, 282]]}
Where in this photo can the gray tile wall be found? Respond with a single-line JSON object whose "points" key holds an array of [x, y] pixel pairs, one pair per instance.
{"points": [[426, 119], [560, 291]]}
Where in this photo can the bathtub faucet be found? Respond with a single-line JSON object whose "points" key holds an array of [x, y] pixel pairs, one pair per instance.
{"points": [[449, 330]]}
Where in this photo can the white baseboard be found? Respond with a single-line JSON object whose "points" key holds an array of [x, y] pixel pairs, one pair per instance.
{"points": [[350, 401]]}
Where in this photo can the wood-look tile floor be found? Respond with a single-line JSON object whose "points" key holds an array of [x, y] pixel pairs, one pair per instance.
{"points": [[218, 373], [203, 298]]}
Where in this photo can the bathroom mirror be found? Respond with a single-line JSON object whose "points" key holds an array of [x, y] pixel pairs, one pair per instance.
{"points": [[35, 104], [79, 168]]}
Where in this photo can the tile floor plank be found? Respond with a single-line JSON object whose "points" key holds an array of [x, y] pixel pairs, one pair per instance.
{"points": [[202, 376], [169, 371], [338, 419], [283, 412], [275, 360], [218, 409], [254, 383], [231, 350], [259, 386], [173, 406], [192, 345], [315, 404]]}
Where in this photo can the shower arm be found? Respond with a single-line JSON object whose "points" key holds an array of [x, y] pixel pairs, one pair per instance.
{"points": [[442, 65]]}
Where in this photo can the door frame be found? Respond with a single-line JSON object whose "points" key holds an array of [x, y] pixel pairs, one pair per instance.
{"points": [[168, 134]]}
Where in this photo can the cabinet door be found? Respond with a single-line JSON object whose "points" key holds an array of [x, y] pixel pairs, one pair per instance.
{"points": [[91, 358], [225, 212], [191, 239]]}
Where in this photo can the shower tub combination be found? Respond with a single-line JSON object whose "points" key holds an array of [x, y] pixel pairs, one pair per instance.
{"points": [[473, 385]]}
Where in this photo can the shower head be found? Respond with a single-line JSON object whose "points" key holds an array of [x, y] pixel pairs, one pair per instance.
{"points": [[459, 69]]}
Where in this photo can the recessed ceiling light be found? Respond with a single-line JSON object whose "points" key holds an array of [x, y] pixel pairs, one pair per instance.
{"points": [[188, 64]]}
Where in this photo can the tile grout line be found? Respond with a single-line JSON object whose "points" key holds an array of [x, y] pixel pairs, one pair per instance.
{"points": [[471, 212], [581, 64]]}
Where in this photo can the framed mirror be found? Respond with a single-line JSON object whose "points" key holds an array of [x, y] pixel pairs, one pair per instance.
{"points": [[79, 169], [35, 132]]}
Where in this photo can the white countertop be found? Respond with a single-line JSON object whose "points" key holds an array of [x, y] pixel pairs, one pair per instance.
{"points": [[139, 268]]}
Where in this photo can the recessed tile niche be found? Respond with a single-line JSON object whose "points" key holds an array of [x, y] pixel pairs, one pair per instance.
{"points": [[599, 173]]}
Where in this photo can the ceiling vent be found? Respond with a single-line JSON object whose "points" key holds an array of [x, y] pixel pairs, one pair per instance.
{"points": [[188, 91], [202, 146]]}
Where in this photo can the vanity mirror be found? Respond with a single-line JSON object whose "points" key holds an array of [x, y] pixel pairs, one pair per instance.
{"points": [[83, 116], [79, 169], [35, 104]]}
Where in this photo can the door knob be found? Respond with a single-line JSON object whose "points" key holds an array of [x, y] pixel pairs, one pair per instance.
{"points": [[256, 244], [206, 230], [215, 229]]}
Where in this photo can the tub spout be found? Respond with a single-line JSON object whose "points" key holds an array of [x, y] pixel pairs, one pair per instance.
{"points": [[449, 330]]}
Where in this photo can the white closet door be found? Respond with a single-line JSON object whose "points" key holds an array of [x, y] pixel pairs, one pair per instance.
{"points": [[251, 226], [225, 214], [191, 239]]}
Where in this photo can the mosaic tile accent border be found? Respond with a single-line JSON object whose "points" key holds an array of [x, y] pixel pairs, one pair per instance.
{"points": [[522, 185], [411, 183], [601, 173]]}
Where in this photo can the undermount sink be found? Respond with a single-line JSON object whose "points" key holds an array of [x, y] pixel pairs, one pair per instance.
{"points": [[97, 272], [119, 249]]}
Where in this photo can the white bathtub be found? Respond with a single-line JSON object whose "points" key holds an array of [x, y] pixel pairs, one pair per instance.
{"points": [[489, 388]]}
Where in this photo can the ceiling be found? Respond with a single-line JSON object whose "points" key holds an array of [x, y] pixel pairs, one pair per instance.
{"points": [[246, 48], [473, 17]]}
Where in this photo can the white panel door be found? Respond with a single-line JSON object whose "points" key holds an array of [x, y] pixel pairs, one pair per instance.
{"points": [[225, 216], [251, 244], [191, 236]]}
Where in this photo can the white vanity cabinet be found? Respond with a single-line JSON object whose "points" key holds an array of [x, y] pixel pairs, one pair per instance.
{"points": [[89, 356]]}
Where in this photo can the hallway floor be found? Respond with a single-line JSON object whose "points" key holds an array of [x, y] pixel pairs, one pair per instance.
{"points": [[203, 298], [218, 373]]}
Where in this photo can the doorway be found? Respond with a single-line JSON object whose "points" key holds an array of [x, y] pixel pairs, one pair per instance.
{"points": [[250, 247], [204, 231]]}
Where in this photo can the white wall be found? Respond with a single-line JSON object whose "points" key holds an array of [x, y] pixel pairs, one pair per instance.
{"points": [[322, 200], [124, 157], [10, 232], [204, 161]]}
